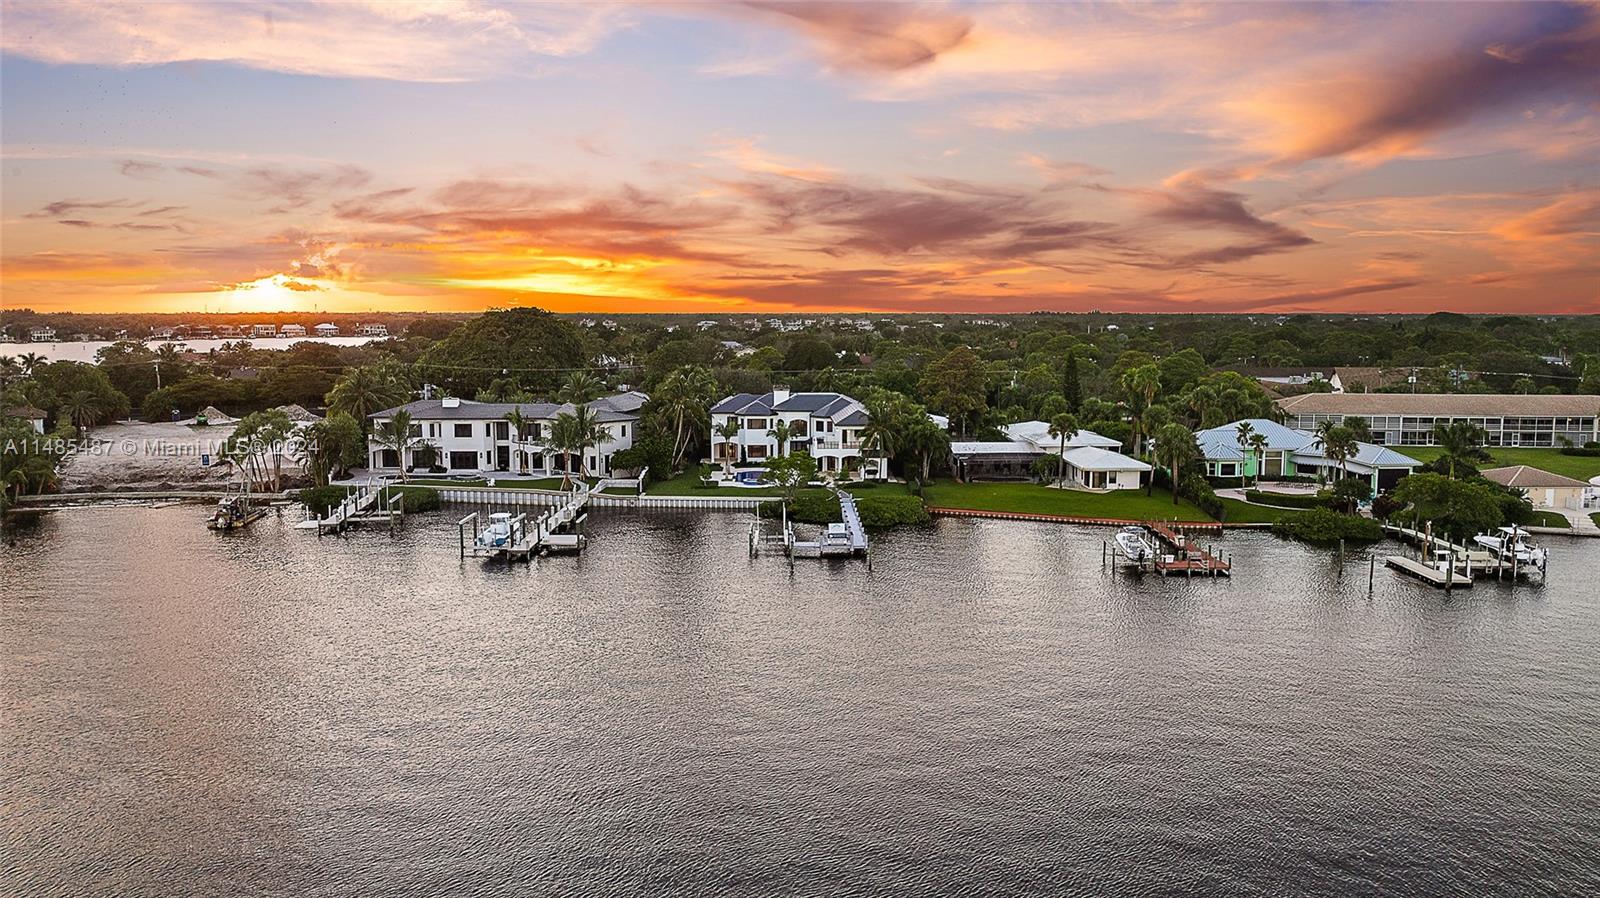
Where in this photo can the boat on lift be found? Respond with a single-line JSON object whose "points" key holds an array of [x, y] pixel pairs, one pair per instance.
{"points": [[236, 510], [1134, 543], [498, 534], [1508, 543]]}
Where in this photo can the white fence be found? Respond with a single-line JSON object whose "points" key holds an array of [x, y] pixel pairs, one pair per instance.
{"points": [[517, 498]]}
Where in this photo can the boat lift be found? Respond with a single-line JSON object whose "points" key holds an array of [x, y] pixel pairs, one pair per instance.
{"points": [[519, 538], [372, 502]]}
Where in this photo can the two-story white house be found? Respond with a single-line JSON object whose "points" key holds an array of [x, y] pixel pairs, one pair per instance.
{"points": [[464, 436], [827, 425]]}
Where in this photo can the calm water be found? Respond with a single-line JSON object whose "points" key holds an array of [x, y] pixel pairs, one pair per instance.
{"points": [[987, 712], [74, 351]]}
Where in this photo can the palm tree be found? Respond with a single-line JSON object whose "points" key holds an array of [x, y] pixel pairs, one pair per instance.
{"points": [[880, 437], [1460, 439], [82, 408], [1176, 443], [1258, 445], [925, 440], [1063, 427], [1243, 433], [682, 400], [396, 434], [365, 390], [781, 431], [10, 370], [30, 362], [1143, 381], [519, 424], [581, 387], [1341, 446], [573, 433], [729, 430]]}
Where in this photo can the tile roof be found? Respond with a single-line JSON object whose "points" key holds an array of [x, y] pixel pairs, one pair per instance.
{"points": [[1456, 405], [470, 410], [1524, 476]]}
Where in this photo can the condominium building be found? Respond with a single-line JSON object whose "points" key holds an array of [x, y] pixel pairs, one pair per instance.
{"points": [[1408, 419]]}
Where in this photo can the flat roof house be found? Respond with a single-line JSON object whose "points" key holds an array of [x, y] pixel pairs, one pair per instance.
{"points": [[1407, 419], [1543, 489], [1092, 462], [475, 437], [292, 330], [1290, 453], [827, 425]]}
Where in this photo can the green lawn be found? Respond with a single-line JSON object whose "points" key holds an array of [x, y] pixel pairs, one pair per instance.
{"points": [[1579, 466], [1596, 518], [1029, 498], [1550, 519], [1241, 512], [686, 484]]}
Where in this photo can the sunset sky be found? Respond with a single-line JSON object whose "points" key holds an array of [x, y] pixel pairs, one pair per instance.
{"points": [[792, 157]]}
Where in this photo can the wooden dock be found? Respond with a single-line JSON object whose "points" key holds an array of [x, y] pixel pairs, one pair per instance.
{"points": [[1480, 561], [371, 502], [1187, 557], [1213, 526], [1455, 578]]}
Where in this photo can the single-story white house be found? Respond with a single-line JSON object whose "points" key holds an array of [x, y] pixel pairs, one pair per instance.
{"points": [[1092, 462]]}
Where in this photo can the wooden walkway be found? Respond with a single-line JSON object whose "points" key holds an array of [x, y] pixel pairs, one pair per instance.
{"points": [[1189, 557], [1458, 578]]}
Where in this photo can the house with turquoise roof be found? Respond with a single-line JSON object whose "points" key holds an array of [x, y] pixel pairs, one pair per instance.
{"points": [[1287, 452]]}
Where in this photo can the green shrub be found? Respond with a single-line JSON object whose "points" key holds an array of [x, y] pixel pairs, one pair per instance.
{"points": [[1324, 525], [1286, 501], [414, 499], [882, 511], [815, 507], [1588, 450]]}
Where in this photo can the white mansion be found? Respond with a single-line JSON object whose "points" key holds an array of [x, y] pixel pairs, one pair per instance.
{"points": [[827, 425], [474, 437]]}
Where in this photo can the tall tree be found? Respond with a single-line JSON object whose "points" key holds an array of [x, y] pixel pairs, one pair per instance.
{"points": [[729, 430], [1175, 443], [365, 390], [681, 402], [1070, 388], [957, 385], [1242, 434], [1461, 440], [1063, 427], [1141, 384], [581, 387], [780, 431], [398, 434]]}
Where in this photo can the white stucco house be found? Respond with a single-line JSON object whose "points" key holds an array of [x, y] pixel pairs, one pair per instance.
{"points": [[827, 425], [475, 437]]}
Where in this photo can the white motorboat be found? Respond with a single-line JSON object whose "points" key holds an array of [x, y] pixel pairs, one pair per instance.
{"points": [[498, 533], [1508, 543], [1135, 545]]}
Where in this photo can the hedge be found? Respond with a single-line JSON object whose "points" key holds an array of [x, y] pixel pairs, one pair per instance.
{"points": [[1282, 500], [1324, 525], [878, 511], [321, 499]]}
